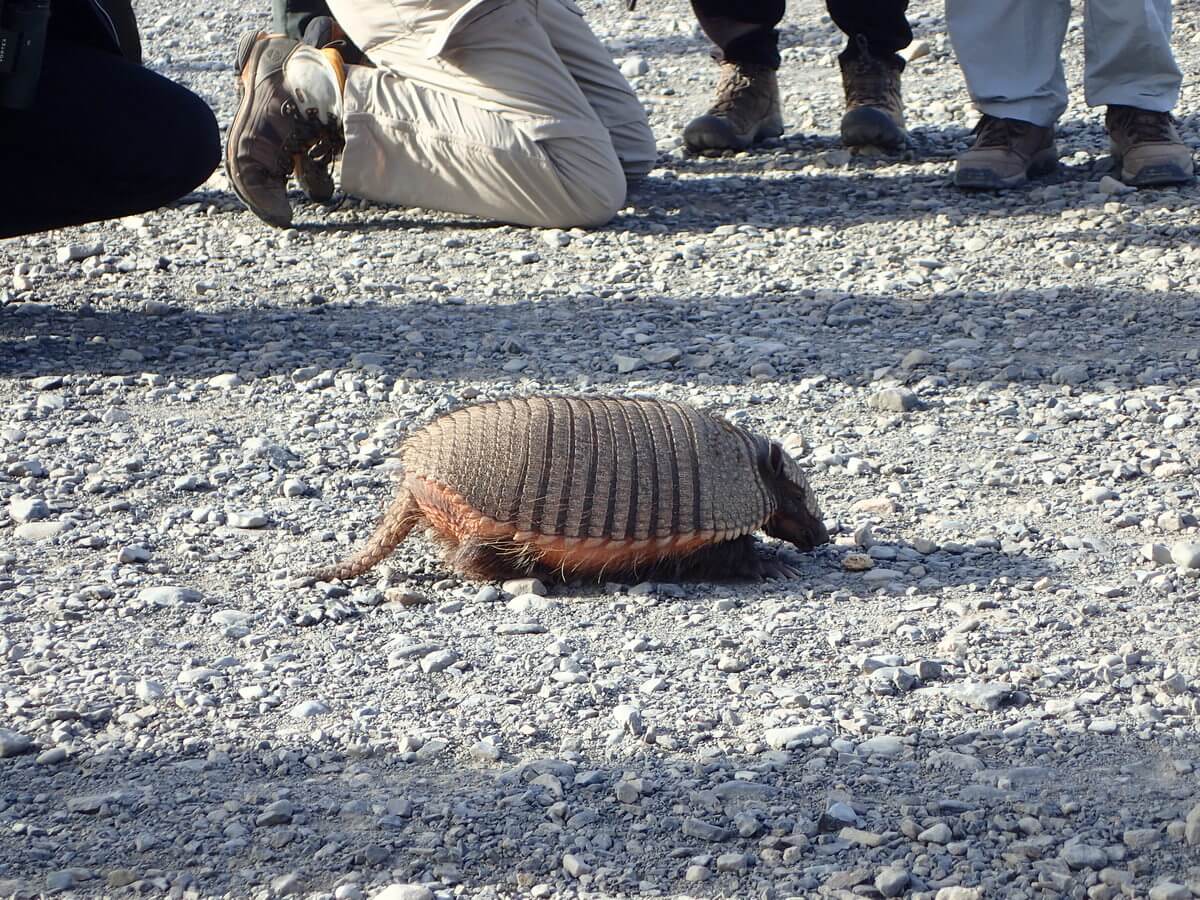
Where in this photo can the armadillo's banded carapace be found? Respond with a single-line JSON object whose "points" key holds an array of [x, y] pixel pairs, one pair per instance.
{"points": [[600, 468]]}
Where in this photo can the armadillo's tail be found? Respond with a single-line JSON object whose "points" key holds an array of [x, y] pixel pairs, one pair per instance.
{"points": [[398, 520]]}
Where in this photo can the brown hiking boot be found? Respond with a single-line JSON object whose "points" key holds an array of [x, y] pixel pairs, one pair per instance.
{"points": [[290, 101], [1006, 153], [746, 111], [1148, 147], [874, 108]]}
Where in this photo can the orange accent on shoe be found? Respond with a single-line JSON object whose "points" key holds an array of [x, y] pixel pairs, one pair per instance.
{"points": [[338, 65]]}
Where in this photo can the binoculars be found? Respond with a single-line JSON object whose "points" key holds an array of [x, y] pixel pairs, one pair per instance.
{"points": [[23, 25]]}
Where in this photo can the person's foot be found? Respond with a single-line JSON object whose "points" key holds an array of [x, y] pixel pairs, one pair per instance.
{"points": [[1147, 146], [746, 110], [1006, 153], [291, 100], [874, 108], [314, 166]]}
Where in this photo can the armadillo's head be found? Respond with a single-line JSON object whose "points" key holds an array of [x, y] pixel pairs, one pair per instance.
{"points": [[797, 517]]}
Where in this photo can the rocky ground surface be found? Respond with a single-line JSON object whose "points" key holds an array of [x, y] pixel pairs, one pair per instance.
{"points": [[987, 686]]}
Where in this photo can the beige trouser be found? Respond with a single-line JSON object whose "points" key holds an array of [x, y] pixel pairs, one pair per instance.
{"points": [[1011, 54], [506, 109]]}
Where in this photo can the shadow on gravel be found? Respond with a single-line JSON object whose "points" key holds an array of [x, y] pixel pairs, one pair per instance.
{"points": [[209, 818], [1130, 336]]}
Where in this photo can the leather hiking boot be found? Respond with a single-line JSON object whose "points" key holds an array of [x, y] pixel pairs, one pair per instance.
{"points": [[1006, 153], [1148, 147], [874, 108], [291, 101], [746, 111]]}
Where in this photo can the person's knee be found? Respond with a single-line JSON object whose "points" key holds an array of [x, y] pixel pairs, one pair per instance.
{"points": [[636, 148], [592, 184], [198, 142]]}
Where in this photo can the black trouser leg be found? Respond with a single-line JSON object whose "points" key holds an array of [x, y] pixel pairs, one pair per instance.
{"points": [[105, 138], [882, 23], [743, 30]]}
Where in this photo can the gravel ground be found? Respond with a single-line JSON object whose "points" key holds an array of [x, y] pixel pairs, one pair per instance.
{"points": [[987, 686]]}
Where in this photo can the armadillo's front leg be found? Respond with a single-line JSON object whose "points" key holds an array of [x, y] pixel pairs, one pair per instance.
{"points": [[730, 560]]}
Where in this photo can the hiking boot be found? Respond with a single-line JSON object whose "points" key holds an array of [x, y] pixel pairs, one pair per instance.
{"points": [[874, 109], [746, 111], [1147, 147], [291, 100], [313, 168], [1006, 153]]}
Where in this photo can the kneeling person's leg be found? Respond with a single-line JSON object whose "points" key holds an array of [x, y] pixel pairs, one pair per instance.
{"points": [[475, 115]]}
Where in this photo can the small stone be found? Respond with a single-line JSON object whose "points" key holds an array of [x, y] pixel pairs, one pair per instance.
{"points": [[518, 586], [779, 738], [119, 878], [859, 836], [629, 718], [982, 695], [1191, 832], [574, 866], [733, 862], [77, 252], [286, 885], [633, 66], [936, 834], [62, 880], [13, 743], [1112, 187], [306, 709], [485, 751], [958, 892], [1098, 495], [226, 381], [895, 400], [916, 358], [882, 745], [857, 562], [1186, 555], [255, 518], [696, 873], [438, 661], [278, 813], [27, 510], [892, 881], [704, 831], [1140, 838], [52, 757], [1078, 855], [404, 892], [627, 364], [167, 596], [1170, 890]]}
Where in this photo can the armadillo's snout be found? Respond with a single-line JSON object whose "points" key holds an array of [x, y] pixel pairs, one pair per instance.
{"points": [[800, 527]]}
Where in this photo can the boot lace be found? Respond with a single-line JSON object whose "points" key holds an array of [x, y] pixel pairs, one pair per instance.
{"points": [[309, 136], [736, 87], [871, 81], [1142, 126], [993, 132]]}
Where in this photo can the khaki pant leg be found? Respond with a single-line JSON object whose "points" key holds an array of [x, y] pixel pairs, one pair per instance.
{"points": [[469, 109], [602, 83]]}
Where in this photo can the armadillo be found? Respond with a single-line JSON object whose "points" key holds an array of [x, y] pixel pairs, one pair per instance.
{"points": [[594, 487]]}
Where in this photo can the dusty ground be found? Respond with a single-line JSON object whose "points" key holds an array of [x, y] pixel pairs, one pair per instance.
{"points": [[1005, 705]]}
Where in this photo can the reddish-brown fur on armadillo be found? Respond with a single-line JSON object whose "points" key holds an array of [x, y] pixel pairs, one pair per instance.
{"points": [[583, 485]]}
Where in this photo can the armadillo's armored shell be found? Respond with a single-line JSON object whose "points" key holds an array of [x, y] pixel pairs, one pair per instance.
{"points": [[597, 467]]}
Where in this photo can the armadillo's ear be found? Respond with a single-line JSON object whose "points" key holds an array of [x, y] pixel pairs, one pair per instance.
{"points": [[775, 457]]}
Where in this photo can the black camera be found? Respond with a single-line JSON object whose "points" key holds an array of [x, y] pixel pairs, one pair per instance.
{"points": [[23, 25]]}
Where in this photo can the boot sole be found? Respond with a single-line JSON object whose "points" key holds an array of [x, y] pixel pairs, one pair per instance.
{"points": [[870, 127], [770, 127], [1043, 163], [250, 47], [1158, 176]]}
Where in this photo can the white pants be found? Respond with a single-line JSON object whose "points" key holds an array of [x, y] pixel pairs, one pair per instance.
{"points": [[505, 109], [1010, 52]]}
